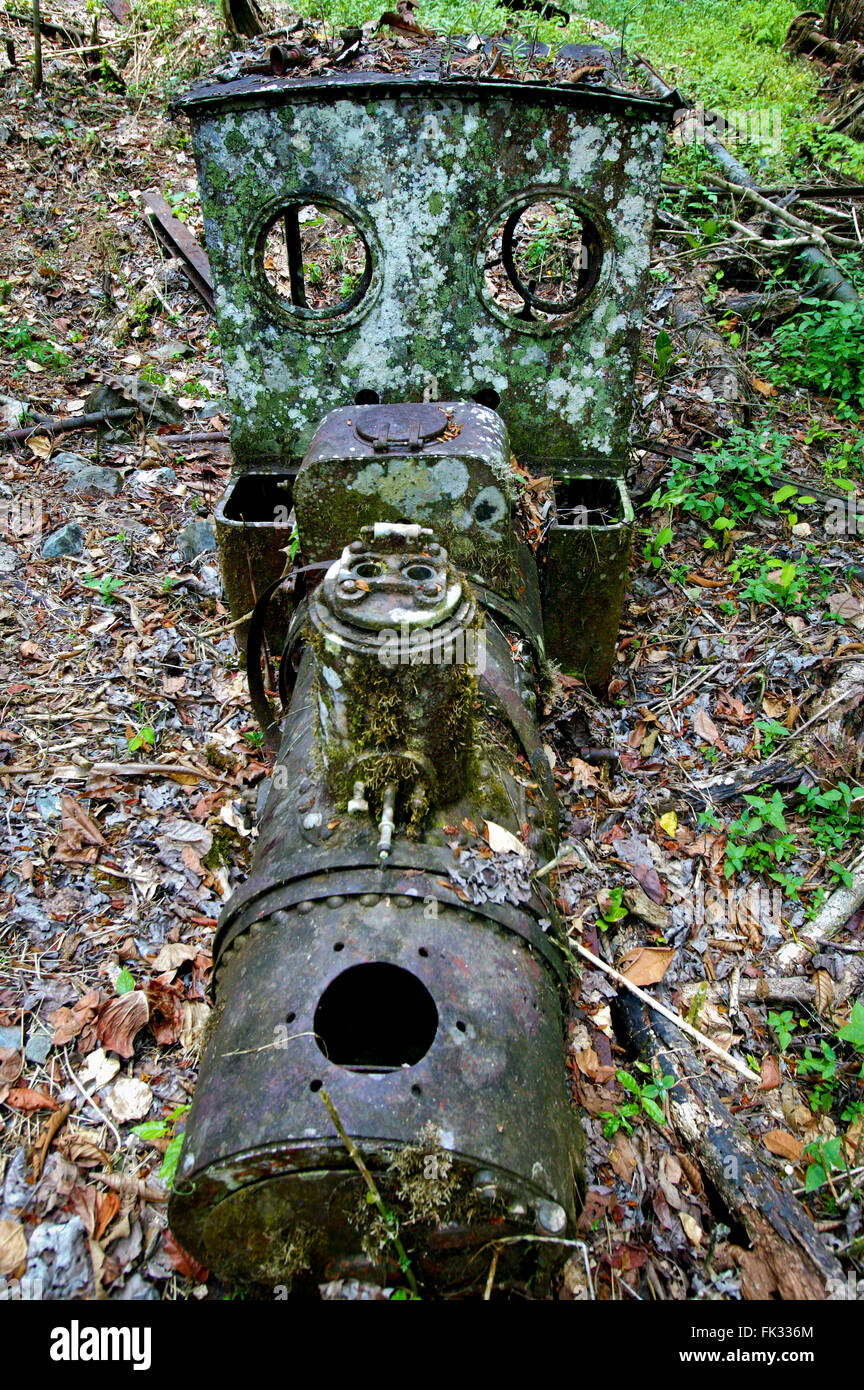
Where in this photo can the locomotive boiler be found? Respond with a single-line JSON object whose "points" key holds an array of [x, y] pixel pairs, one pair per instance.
{"points": [[390, 982]]}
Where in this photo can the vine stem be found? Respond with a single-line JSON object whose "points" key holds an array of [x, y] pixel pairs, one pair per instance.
{"points": [[371, 1187]]}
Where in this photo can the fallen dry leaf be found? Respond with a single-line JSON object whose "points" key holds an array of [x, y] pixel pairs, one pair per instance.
{"points": [[11, 1066], [13, 1248], [784, 1145], [23, 1098], [129, 1099], [706, 728], [121, 1020], [647, 964], [183, 1262], [172, 955], [501, 841], [80, 840]]}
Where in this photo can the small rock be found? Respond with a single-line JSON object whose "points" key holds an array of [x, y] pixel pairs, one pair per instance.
{"points": [[153, 477], [801, 530], [59, 1257], [82, 476], [12, 412], [10, 1037], [195, 538], [69, 540], [38, 1047], [8, 559], [49, 805], [172, 351]]}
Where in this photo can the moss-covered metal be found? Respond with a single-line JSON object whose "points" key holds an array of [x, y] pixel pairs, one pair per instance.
{"points": [[425, 169], [584, 575]]}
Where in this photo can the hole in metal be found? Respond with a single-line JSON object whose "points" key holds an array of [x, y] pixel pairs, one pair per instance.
{"points": [[289, 1018], [315, 1085], [419, 572], [487, 397], [367, 398], [587, 502], [461, 1026], [375, 1018], [368, 569], [542, 260], [339, 946], [423, 952], [316, 258]]}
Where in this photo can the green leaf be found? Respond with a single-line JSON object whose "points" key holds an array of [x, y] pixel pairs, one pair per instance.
{"points": [[783, 494], [151, 1129], [170, 1160], [664, 536], [652, 1109], [814, 1178], [124, 983], [628, 1082], [853, 1031]]}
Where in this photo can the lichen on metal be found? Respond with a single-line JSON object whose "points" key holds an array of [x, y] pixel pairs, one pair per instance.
{"points": [[426, 170]]}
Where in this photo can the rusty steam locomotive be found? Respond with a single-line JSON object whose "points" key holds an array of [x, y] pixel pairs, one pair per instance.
{"points": [[389, 984]]}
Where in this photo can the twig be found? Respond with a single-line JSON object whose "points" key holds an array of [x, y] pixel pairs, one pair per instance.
{"points": [[67, 426], [782, 214], [90, 1101], [378, 1200], [38, 1151], [846, 695], [667, 1013]]}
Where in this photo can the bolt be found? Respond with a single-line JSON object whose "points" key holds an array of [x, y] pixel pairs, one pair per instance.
{"points": [[551, 1218], [356, 547]]}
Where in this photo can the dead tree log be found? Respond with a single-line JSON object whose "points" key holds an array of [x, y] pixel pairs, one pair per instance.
{"points": [[787, 1259]]}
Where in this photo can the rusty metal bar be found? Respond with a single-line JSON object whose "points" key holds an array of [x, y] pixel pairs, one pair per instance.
{"points": [[179, 242]]}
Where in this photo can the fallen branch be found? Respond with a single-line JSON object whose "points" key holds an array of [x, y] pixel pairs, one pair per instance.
{"points": [[68, 424], [659, 1008], [781, 214], [788, 1257], [827, 923]]}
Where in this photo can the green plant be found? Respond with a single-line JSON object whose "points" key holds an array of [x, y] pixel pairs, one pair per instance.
{"points": [[750, 842], [125, 982], [165, 1129], [144, 738], [834, 816], [822, 348], [106, 585], [612, 910], [655, 545], [825, 1067], [782, 1025], [23, 347], [727, 484], [826, 1159], [663, 358], [645, 1094]]}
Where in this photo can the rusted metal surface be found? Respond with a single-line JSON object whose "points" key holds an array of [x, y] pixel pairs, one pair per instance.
{"points": [[380, 949], [175, 236], [586, 564], [426, 170], [423, 992], [447, 467]]}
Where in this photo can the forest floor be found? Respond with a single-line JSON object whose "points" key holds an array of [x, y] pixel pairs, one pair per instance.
{"points": [[724, 812]]}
